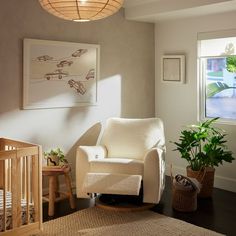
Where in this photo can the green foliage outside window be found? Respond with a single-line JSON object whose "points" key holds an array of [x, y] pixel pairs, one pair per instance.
{"points": [[231, 64]]}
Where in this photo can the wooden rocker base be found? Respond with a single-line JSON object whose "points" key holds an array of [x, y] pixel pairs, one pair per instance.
{"points": [[121, 203]]}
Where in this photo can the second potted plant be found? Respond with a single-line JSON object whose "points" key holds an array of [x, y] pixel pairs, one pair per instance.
{"points": [[203, 146], [55, 157]]}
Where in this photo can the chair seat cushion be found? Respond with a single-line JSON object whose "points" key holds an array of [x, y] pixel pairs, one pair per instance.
{"points": [[112, 183], [117, 165]]}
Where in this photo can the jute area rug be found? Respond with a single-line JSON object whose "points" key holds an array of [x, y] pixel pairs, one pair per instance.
{"points": [[96, 221]]}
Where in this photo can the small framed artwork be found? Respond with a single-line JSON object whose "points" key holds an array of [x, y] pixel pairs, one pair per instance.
{"points": [[59, 74], [173, 68]]}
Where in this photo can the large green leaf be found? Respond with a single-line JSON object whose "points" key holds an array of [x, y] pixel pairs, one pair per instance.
{"points": [[214, 88]]}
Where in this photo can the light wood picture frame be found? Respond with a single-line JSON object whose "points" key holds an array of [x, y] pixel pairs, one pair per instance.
{"points": [[59, 74], [173, 68]]}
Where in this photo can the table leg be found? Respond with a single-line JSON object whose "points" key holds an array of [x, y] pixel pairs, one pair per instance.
{"points": [[52, 194], [57, 187], [69, 189]]}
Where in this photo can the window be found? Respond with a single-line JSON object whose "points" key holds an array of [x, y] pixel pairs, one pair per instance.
{"points": [[217, 67]]}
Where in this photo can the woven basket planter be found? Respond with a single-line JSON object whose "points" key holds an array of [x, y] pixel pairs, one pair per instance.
{"points": [[206, 178], [184, 200]]}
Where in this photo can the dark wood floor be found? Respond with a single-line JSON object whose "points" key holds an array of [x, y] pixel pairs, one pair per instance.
{"points": [[217, 213]]}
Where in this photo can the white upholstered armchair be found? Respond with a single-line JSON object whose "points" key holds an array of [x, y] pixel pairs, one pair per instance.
{"points": [[130, 151]]}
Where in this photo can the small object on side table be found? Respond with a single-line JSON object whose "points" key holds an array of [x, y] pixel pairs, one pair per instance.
{"points": [[54, 194]]}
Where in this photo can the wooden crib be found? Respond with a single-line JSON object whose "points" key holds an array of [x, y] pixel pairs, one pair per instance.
{"points": [[21, 188]]}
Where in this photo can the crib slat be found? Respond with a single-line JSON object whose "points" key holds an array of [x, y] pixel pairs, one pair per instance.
{"points": [[35, 190], [8, 175], [9, 168], [19, 197], [23, 175], [2, 149], [39, 203], [27, 189], [14, 193], [4, 195]]}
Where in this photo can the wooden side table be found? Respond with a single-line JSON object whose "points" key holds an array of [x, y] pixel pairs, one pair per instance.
{"points": [[53, 172]]}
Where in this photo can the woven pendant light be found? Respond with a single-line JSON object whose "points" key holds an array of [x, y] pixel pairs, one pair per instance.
{"points": [[81, 10]]}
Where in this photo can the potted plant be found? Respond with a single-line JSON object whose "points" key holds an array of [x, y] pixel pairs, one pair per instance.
{"points": [[55, 157], [203, 146]]}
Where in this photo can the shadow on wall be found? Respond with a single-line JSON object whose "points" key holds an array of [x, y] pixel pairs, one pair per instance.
{"points": [[89, 138]]}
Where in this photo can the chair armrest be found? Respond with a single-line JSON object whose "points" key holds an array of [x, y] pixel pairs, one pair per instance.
{"points": [[154, 175], [84, 155], [91, 152]]}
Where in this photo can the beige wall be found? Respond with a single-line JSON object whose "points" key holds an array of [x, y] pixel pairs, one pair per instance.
{"points": [[126, 86], [176, 104]]}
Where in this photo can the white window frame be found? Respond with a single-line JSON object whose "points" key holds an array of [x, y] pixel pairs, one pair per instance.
{"points": [[201, 75]]}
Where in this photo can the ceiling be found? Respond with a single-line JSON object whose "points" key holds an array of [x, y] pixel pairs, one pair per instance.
{"points": [[160, 10]]}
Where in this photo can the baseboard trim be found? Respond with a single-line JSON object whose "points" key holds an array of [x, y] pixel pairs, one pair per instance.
{"points": [[221, 182]]}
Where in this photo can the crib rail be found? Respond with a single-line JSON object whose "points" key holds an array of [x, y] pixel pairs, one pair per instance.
{"points": [[20, 179]]}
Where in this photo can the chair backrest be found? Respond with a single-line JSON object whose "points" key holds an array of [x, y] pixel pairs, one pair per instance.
{"points": [[132, 138]]}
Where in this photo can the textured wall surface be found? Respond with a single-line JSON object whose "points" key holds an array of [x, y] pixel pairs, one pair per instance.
{"points": [[176, 104], [126, 86]]}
